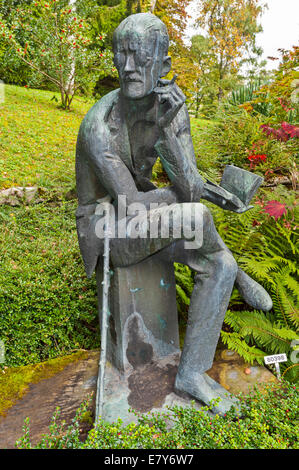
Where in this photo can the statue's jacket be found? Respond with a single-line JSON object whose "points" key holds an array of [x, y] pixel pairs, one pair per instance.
{"points": [[110, 162]]}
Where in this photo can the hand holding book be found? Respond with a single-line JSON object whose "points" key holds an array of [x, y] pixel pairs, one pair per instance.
{"points": [[237, 187]]}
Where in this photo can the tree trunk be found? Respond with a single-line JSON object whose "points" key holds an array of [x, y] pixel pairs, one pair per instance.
{"points": [[221, 74], [220, 94], [71, 80], [197, 104], [153, 6], [62, 96]]}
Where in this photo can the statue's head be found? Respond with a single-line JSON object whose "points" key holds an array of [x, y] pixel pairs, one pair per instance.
{"points": [[140, 45]]}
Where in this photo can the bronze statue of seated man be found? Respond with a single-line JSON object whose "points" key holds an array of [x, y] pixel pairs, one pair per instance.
{"points": [[119, 141]]}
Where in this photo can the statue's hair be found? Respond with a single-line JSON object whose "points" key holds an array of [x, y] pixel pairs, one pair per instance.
{"points": [[144, 23]]}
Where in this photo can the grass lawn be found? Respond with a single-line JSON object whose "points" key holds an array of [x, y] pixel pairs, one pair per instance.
{"points": [[37, 139]]}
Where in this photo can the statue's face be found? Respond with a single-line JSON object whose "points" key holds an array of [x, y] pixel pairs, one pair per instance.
{"points": [[139, 67]]}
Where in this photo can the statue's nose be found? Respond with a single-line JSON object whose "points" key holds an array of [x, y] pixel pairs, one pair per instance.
{"points": [[130, 63]]}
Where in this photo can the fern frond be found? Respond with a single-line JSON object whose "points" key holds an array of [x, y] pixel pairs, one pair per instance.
{"points": [[289, 282], [290, 264], [185, 281], [286, 333], [259, 270], [286, 306], [290, 372], [288, 235], [235, 342], [259, 327], [182, 295]]}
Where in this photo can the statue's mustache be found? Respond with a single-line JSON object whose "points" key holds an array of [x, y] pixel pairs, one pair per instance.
{"points": [[132, 78]]}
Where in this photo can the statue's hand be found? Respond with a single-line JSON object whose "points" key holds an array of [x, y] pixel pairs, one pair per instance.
{"points": [[223, 198], [171, 100]]}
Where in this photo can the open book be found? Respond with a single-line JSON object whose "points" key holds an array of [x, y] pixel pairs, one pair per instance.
{"points": [[237, 188]]}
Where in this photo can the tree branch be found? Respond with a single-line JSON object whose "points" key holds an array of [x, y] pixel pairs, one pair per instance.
{"points": [[40, 71]]}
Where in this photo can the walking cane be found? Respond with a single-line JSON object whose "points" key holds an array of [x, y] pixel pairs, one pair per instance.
{"points": [[105, 313]]}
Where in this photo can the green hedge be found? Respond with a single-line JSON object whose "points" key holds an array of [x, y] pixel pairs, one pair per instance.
{"points": [[47, 305]]}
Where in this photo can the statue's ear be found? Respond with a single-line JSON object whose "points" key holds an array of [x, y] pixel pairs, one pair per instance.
{"points": [[166, 65]]}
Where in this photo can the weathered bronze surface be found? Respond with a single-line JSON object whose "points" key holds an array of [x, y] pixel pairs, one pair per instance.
{"points": [[119, 141]]}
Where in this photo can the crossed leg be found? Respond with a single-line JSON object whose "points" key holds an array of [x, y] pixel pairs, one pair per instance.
{"points": [[217, 272]]}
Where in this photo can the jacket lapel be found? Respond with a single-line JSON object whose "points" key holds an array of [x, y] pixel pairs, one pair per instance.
{"points": [[119, 134]]}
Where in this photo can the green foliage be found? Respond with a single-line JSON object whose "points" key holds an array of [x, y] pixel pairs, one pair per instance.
{"points": [[12, 70], [205, 87], [108, 16], [230, 28], [280, 95], [207, 163], [184, 278], [245, 93], [236, 135], [47, 305], [7, 6], [269, 421], [207, 81], [55, 40], [267, 250]]}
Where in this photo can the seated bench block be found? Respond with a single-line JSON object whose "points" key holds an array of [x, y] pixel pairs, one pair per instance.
{"points": [[143, 319]]}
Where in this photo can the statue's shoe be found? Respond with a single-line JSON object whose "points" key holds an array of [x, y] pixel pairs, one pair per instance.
{"points": [[204, 388], [252, 292]]}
